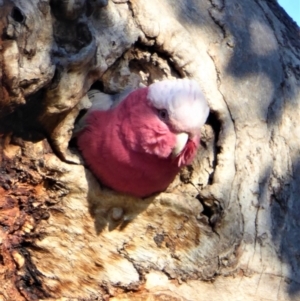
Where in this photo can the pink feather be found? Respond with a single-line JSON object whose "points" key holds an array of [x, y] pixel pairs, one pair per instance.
{"points": [[129, 148]]}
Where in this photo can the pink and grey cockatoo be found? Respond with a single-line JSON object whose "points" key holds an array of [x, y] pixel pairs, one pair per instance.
{"points": [[138, 144]]}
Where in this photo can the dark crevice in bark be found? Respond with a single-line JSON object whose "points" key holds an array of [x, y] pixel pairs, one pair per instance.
{"points": [[72, 36], [213, 210], [214, 13], [23, 122], [214, 121], [218, 4], [30, 283], [98, 85], [17, 15]]}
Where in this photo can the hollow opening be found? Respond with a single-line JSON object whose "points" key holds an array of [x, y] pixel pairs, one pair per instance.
{"points": [[24, 120], [17, 15], [97, 85], [213, 210]]}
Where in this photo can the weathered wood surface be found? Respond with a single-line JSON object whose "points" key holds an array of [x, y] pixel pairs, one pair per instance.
{"points": [[226, 229]]}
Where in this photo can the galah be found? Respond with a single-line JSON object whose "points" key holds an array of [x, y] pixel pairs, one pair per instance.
{"points": [[138, 144]]}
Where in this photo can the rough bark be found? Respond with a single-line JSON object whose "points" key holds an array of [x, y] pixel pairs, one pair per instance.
{"points": [[226, 229]]}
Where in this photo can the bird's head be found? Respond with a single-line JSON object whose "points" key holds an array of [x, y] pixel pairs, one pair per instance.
{"points": [[167, 117]]}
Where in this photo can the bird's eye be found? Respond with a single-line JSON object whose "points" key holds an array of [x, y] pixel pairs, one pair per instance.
{"points": [[163, 114]]}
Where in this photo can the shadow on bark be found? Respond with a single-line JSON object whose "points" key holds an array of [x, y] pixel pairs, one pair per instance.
{"points": [[112, 210], [285, 228], [252, 33]]}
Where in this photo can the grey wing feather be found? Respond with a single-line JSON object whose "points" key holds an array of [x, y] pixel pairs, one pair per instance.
{"points": [[117, 98], [102, 102]]}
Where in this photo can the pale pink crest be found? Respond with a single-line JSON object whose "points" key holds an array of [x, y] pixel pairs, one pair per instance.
{"points": [[184, 101]]}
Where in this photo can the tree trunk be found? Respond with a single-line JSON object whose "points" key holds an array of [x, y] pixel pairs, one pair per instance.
{"points": [[227, 228]]}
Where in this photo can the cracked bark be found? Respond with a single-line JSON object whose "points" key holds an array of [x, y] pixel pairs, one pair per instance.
{"points": [[226, 229]]}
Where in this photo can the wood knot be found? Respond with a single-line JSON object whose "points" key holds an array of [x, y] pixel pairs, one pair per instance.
{"points": [[117, 213]]}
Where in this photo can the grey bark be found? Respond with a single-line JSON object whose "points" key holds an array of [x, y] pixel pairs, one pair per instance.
{"points": [[226, 229]]}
